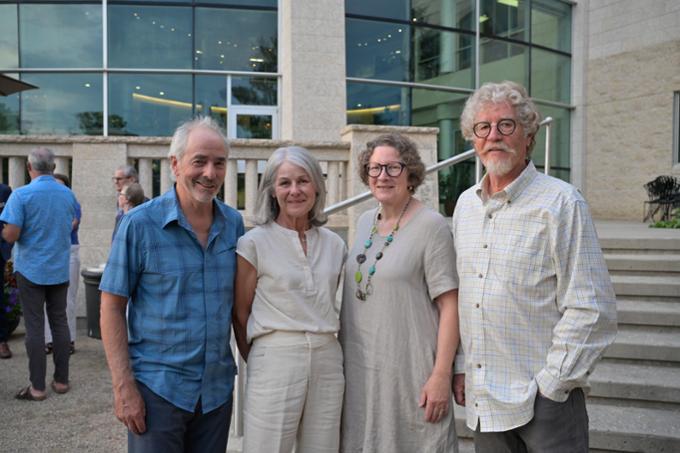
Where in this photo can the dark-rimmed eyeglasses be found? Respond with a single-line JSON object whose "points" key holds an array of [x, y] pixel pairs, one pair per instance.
{"points": [[393, 169], [504, 127], [117, 178]]}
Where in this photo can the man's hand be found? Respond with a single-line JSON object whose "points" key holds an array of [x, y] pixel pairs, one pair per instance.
{"points": [[459, 389], [129, 407], [435, 397]]}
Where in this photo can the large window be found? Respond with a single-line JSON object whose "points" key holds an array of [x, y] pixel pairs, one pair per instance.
{"points": [[65, 104], [408, 48], [165, 61]]}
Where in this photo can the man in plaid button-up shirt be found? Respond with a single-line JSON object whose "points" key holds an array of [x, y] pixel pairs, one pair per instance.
{"points": [[537, 308]]}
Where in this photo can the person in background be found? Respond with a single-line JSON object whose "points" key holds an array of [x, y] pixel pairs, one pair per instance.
{"points": [[285, 315], [130, 196], [399, 319], [537, 307], [123, 176], [74, 277], [39, 220], [172, 263], [5, 254]]}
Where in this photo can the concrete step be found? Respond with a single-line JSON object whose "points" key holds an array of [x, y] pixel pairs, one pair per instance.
{"points": [[642, 245], [633, 381], [621, 429], [646, 343], [664, 263], [633, 429], [647, 285], [656, 313]]}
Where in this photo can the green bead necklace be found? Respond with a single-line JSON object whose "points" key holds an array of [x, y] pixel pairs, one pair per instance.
{"points": [[361, 257]]}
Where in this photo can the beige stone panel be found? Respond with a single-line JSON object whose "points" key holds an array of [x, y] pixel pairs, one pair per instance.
{"points": [[93, 166], [312, 65], [629, 138]]}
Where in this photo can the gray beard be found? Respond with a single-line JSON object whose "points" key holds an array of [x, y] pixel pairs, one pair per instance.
{"points": [[499, 168]]}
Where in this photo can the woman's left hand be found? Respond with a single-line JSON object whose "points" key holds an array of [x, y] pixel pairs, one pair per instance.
{"points": [[436, 397]]}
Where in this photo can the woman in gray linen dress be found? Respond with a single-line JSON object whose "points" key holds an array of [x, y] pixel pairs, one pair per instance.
{"points": [[399, 317]]}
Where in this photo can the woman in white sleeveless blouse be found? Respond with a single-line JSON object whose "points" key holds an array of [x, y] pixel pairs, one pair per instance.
{"points": [[286, 319]]}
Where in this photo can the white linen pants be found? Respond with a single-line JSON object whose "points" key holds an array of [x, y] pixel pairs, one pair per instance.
{"points": [[71, 296], [294, 394]]}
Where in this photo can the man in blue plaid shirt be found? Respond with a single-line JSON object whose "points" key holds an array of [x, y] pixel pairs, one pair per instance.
{"points": [[172, 266]]}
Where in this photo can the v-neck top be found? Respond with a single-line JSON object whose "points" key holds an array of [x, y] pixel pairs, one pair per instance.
{"points": [[295, 292]]}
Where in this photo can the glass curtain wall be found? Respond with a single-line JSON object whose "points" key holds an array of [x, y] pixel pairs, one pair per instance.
{"points": [[165, 61], [414, 62]]}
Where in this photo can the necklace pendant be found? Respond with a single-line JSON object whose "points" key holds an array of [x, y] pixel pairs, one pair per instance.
{"points": [[368, 243], [369, 290], [361, 258], [360, 295], [358, 277]]}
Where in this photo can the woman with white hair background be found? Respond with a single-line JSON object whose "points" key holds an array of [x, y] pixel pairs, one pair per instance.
{"points": [[285, 317]]}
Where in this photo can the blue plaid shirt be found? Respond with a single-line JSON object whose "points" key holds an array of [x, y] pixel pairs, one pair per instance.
{"points": [[180, 300]]}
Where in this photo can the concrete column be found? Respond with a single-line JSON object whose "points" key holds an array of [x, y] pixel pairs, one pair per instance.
{"points": [[166, 176], [93, 165], [425, 139], [231, 184], [146, 176], [61, 165], [312, 66], [17, 172]]}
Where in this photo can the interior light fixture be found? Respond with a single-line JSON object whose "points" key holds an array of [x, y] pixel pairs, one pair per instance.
{"points": [[483, 18], [371, 110], [512, 3]]}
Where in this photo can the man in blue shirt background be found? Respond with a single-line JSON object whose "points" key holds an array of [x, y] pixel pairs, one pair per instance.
{"points": [[172, 264], [39, 218]]}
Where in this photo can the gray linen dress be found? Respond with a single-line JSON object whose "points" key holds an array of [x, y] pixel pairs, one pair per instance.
{"points": [[389, 340]]}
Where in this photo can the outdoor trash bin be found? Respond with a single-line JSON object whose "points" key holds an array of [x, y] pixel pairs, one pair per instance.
{"points": [[91, 277]]}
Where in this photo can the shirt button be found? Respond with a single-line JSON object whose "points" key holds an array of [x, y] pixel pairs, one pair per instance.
{"points": [[476, 305], [485, 246], [490, 216], [479, 365], [476, 405], [481, 276]]}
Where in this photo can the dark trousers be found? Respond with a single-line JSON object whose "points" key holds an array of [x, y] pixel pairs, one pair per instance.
{"points": [[555, 428], [34, 298], [173, 430], [4, 332]]}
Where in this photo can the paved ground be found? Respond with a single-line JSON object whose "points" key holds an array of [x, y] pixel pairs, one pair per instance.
{"points": [[79, 421]]}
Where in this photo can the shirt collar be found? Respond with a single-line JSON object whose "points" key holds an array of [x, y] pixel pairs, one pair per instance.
{"points": [[43, 178], [512, 190], [173, 213]]}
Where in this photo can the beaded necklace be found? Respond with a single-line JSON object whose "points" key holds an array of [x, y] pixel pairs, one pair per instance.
{"points": [[361, 257]]}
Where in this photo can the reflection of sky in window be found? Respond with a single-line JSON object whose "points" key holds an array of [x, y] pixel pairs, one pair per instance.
{"points": [[9, 57], [54, 107], [150, 37], [377, 50], [236, 40], [61, 36], [150, 104]]}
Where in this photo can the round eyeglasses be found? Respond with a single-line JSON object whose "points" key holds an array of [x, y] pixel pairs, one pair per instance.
{"points": [[504, 127], [393, 169]]}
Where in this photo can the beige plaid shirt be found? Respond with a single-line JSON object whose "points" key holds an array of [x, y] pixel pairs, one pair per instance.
{"points": [[537, 307]]}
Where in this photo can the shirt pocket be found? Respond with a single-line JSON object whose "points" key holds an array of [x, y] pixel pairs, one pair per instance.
{"points": [[521, 255]]}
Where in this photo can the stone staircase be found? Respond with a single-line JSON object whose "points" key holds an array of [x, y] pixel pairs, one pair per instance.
{"points": [[634, 403]]}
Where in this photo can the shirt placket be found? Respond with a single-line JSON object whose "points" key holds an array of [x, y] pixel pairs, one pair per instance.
{"points": [[483, 261]]}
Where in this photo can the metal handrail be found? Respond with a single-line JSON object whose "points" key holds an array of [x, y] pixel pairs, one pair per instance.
{"points": [[440, 166]]}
